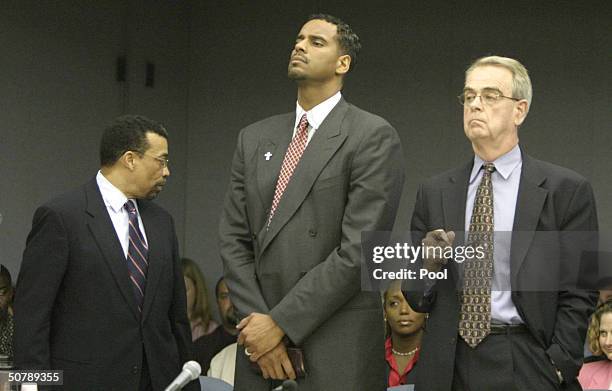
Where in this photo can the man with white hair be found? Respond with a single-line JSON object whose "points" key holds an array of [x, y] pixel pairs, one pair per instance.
{"points": [[502, 321]]}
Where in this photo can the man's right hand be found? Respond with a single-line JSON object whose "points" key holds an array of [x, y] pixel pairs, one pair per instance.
{"points": [[276, 364], [437, 239]]}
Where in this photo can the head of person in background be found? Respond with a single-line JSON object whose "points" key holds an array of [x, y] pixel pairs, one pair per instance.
{"points": [[6, 293], [496, 99], [134, 156], [605, 295], [597, 373], [226, 308], [6, 312], [404, 330], [198, 309]]}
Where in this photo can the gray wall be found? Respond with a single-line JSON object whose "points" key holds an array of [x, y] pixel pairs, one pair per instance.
{"points": [[222, 64], [59, 90]]}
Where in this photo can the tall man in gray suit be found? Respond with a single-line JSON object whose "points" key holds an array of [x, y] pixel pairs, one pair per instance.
{"points": [[507, 321], [304, 185]]}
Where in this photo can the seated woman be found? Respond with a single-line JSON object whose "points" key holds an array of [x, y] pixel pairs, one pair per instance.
{"points": [[198, 310], [597, 374], [404, 331]]}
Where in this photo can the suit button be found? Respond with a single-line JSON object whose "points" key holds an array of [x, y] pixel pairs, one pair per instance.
{"points": [[312, 232], [453, 341], [135, 369]]}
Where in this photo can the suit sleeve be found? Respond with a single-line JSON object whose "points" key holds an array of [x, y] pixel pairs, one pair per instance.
{"points": [[44, 263], [179, 322], [236, 242], [420, 297], [376, 181], [574, 306]]}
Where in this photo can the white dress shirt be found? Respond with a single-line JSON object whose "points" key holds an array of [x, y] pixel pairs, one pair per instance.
{"points": [[114, 199], [316, 115]]}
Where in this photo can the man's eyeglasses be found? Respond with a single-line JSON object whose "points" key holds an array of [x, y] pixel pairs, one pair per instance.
{"points": [[163, 161], [488, 96]]}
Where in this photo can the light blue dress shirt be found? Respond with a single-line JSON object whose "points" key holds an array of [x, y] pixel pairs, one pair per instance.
{"points": [[505, 182]]}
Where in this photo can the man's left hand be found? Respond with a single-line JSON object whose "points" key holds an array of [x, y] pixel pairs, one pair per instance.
{"points": [[259, 334]]}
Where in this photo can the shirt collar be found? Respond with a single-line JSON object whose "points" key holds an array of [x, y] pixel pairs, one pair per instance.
{"points": [[113, 197], [317, 114], [504, 164]]}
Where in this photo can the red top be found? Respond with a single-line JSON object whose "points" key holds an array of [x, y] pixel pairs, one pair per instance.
{"points": [[395, 378]]}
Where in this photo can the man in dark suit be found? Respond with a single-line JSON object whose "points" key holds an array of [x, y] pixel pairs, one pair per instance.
{"points": [[505, 321], [303, 187], [100, 291]]}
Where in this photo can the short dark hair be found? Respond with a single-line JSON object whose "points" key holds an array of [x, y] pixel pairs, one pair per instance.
{"points": [[127, 133], [348, 40]]}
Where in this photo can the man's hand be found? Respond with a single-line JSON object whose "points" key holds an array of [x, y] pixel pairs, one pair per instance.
{"points": [[437, 239], [259, 334], [276, 364]]}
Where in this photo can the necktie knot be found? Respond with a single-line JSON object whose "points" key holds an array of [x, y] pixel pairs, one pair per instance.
{"points": [[303, 124], [489, 167], [130, 207]]}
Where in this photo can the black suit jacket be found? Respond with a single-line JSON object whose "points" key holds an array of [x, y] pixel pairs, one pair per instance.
{"points": [[550, 199], [75, 309]]}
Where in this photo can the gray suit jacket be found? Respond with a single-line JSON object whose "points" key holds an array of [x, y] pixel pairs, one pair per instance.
{"points": [[550, 199], [305, 270]]}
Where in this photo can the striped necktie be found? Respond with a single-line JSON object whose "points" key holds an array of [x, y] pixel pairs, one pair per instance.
{"points": [[137, 256]]}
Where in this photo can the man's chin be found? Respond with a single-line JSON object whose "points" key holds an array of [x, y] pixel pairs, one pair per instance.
{"points": [[152, 195], [295, 74]]}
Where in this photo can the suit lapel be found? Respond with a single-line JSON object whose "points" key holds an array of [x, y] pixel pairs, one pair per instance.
{"points": [[454, 198], [268, 170], [529, 203], [453, 204], [103, 231], [323, 145], [155, 239]]}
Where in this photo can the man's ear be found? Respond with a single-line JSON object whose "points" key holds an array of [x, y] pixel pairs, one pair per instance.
{"points": [[522, 107], [343, 64], [128, 160]]}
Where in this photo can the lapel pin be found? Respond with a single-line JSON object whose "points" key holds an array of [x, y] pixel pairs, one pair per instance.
{"points": [[268, 155]]}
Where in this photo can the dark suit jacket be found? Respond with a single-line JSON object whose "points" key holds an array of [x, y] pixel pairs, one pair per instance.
{"points": [[550, 198], [75, 309], [305, 270]]}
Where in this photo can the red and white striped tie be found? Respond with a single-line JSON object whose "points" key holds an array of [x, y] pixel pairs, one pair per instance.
{"points": [[290, 162]]}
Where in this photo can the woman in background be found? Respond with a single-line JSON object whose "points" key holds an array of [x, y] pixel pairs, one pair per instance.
{"points": [[404, 332], [198, 309], [597, 373]]}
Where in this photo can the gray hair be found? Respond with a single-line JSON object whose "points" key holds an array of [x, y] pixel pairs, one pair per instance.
{"points": [[521, 83]]}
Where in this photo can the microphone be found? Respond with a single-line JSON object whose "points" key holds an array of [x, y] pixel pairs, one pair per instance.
{"points": [[288, 385], [191, 371]]}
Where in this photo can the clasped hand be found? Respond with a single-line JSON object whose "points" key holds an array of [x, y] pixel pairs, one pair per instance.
{"points": [[262, 340]]}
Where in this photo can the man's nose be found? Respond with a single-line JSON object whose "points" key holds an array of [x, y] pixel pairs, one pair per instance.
{"points": [[300, 46], [476, 104]]}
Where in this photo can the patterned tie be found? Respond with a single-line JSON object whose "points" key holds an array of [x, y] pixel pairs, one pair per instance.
{"points": [[475, 321], [290, 162], [137, 255]]}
